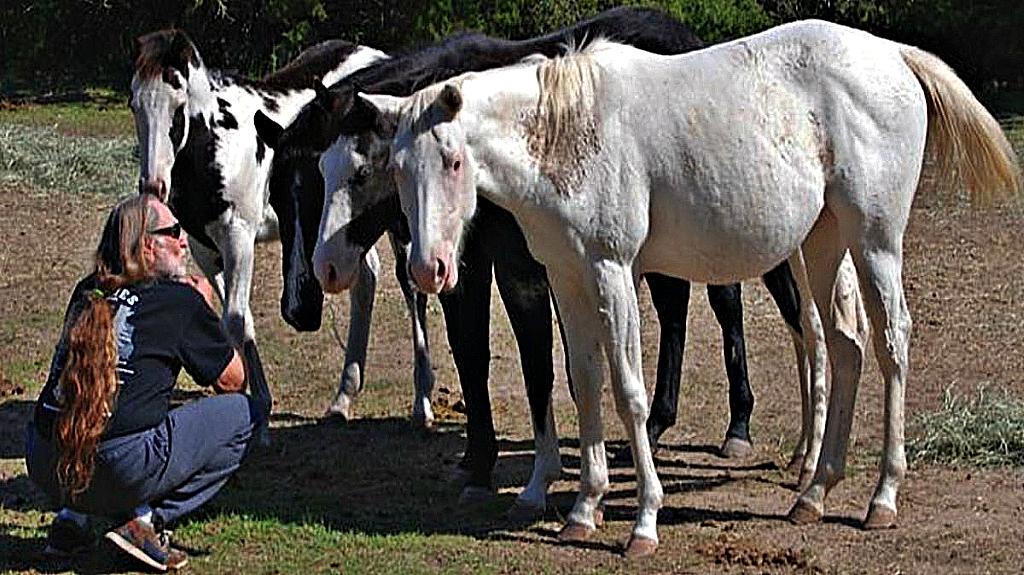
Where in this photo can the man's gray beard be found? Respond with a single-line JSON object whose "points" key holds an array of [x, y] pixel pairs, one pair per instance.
{"points": [[162, 269]]}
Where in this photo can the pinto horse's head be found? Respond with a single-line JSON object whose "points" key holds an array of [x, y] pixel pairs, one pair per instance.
{"points": [[433, 176], [164, 62], [350, 202]]}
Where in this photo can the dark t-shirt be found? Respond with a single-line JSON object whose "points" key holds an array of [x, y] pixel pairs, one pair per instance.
{"points": [[160, 327]]}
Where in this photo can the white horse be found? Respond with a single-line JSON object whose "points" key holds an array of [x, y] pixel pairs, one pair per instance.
{"points": [[797, 143], [196, 124]]}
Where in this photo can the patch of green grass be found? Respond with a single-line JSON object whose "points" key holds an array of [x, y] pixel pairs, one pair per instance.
{"points": [[45, 159], [105, 119], [984, 431], [237, 541]]}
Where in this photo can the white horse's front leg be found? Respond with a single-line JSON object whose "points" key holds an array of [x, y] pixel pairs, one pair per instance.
{"points": [[621, 341], [578, 308], [360, 317]]}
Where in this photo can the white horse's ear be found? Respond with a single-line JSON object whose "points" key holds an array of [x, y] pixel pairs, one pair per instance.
{"points": [[450, 99], [385, 109]]}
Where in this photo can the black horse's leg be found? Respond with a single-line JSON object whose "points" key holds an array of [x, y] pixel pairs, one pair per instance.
{"points": [[726, 302], [467, 320], [523, 285], [780, 283], [671, 299]]}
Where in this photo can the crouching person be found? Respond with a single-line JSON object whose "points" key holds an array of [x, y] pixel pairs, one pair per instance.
{"points": [[103, 440]]}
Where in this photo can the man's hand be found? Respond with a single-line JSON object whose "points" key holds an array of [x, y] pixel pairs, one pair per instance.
{"points": [[201, 285]]}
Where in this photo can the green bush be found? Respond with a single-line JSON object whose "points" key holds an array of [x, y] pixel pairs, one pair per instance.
{"points": [[59, 45]]}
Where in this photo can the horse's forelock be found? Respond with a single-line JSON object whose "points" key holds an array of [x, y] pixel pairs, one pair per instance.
{"points": [[164, 49]]}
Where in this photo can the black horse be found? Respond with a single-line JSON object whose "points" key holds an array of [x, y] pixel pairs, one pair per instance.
{"points": [[494, 243]]}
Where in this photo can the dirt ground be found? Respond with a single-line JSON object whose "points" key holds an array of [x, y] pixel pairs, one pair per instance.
{"points": [[963, 277]]}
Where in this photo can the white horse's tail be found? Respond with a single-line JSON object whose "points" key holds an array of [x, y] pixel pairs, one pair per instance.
{"points": [[967, 141]]}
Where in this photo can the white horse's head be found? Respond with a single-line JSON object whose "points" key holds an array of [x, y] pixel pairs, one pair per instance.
{"points": [[434, 176], [160, 103]]}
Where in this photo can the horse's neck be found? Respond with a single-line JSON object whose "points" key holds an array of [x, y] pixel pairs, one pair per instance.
{"points": [[495, 146], [207, 87]]}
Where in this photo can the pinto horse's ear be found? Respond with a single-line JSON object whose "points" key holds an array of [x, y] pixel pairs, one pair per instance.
{"points": [[321, 90], [268, 130], [385, 110], [450, 100], [325, 98]]}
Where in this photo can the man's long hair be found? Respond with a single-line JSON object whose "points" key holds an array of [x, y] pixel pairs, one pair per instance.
{"points": [[88, 383]]}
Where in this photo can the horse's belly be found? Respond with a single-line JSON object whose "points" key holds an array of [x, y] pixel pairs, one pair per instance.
{"points": [[736, 239]]}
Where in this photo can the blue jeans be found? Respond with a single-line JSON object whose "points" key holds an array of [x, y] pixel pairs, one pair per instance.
{"points": [[174, 467]]}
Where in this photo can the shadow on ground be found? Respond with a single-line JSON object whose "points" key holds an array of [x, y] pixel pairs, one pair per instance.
{"points": [[379, 477]]}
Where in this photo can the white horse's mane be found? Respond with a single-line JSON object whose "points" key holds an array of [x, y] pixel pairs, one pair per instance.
{"points": [[563, 130]]}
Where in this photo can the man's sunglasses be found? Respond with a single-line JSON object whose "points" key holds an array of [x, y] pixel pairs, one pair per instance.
{"points": [[172, 231]]}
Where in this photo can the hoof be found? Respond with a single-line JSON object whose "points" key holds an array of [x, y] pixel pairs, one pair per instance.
{"points": [[803, 513], [421, 421], [736, 448], [341, 409], [599, 516], [474, 495], [880, 517], [524, 513], [638, 547], [575, 533]]}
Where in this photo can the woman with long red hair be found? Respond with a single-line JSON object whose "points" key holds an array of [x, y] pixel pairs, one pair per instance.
{"points": [[104, 440]]}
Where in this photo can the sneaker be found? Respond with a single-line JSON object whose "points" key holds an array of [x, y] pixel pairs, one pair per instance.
{"points": [[141, 541], [66, 538]]}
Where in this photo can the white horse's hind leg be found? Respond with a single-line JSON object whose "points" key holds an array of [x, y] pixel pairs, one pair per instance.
{"points": [[882, 284], [803, 367], [845, 333], [423, 373], [360, 316], [817, 359]]}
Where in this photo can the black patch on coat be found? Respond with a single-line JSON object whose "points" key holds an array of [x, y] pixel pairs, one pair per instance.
{"points": [[227, 119], [178, 126], [197, 184], [270, 104]]}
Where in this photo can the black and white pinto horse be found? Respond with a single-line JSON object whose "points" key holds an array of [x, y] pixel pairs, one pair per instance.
{"points": [[797, 144], [361, 202], [200, 153]]}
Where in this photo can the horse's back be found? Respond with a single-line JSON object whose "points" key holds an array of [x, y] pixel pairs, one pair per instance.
{"points": [[749, 140]]}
